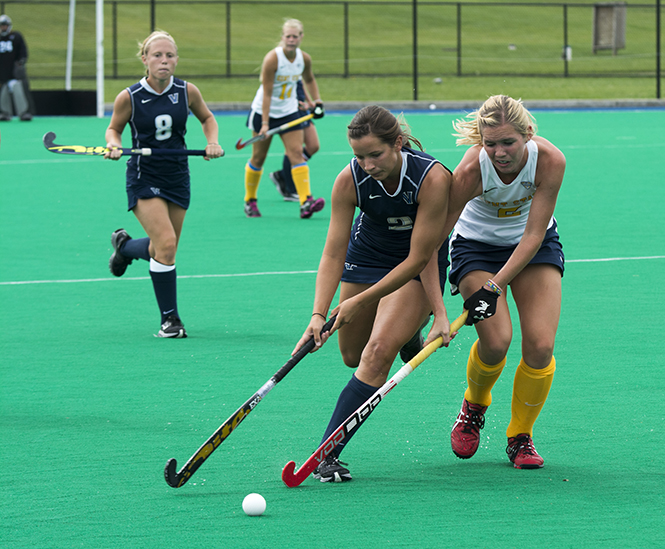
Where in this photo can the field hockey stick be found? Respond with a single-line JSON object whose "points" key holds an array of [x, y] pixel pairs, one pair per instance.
{"points": [[240, 144], [293, 478], [100, 151], [176, 480]]}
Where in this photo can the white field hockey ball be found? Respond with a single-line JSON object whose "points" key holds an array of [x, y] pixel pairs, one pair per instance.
{"points": [[254, 505]]}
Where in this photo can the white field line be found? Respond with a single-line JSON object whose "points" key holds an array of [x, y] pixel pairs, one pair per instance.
{"points": [[274, 273], [180, 277], [615, 259]]}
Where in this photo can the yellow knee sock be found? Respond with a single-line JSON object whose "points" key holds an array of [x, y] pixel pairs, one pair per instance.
{"points": [[252, 178], [530, 390], [481, 378], [300, 175]]}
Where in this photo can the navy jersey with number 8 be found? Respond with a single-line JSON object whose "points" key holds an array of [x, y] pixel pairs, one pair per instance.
{"points": [[159, 121]]}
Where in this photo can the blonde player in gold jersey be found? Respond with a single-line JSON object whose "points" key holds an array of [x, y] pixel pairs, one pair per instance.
{"points": [[275, 103], [502, 200]]}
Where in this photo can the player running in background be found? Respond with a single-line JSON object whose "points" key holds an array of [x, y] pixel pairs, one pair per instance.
{"points": [[276, 103], [158, 189], [15, 96], [282, 178], [402, 195], [504, 193]]}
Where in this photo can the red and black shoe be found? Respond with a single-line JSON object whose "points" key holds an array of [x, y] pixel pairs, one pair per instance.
{"points": [[465, 436], [522, 452]]}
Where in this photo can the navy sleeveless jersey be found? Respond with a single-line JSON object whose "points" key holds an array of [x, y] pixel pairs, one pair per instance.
{"points": [[158, 121], [381, 234]]}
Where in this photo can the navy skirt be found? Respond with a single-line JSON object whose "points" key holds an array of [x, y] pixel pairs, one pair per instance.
{"points": [[255, 119], [471, 255], [179, 194], [366, 272]]}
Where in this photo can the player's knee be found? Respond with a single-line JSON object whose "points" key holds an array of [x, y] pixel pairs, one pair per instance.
{"points": [[378, 354], [165, 250], [350, 357], [312, 148], [258, 158], [492, 350], [538, 354], [296, 159]]}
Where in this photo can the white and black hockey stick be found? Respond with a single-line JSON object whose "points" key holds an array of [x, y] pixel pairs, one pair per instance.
{"points": [[293, 478], [177, 479], [100, 151]]}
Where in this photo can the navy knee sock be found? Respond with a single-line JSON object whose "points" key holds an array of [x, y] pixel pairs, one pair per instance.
{"points": [[164, 284], [351, 398], [286, 174], [136, 248]]}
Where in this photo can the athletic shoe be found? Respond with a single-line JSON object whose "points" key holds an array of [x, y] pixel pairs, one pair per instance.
{"points": [[26, 117], [310, 206], [172, 327], [280, 183], [522, 452], [465, 436], [4, 117], [118, 263], [412, 347], [330, 469], [251, 209]]}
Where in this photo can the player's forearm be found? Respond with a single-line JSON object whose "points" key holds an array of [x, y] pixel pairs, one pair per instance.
{"points": [[313, 91], [327, 281], [113, 138], [211, 130], [267, 101]]}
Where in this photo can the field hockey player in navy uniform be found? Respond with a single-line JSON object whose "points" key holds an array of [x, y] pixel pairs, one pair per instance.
{"points": [[275, 104], [391, 271], [158, 189], [504, 193]]}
